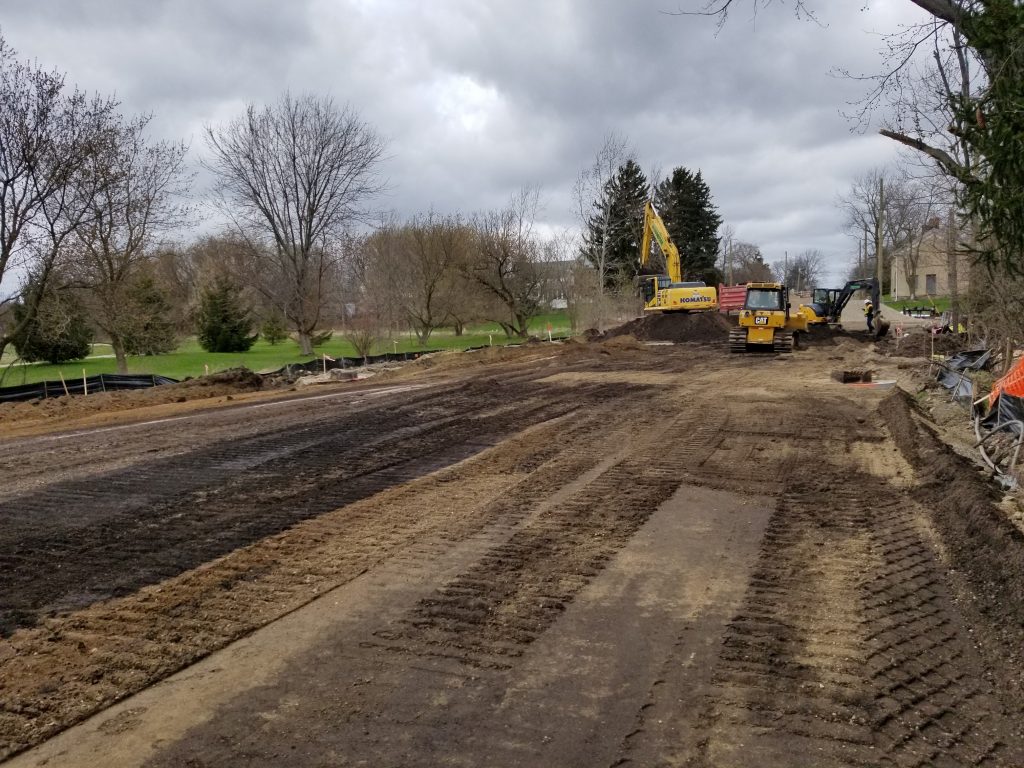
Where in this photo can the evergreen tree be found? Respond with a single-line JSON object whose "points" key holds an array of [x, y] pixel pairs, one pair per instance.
{"points": [[684, 204], [273, 329], [148, 324], [224, 323], [58, 331], [614, 230]]}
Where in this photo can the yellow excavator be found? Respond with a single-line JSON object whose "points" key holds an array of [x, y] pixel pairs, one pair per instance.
{"points": [[827, 304], [669, 293], [765, 322]]}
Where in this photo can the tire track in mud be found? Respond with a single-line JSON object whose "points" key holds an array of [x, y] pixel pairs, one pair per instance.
{"points": [[488, 616], [112, 649], [472, 630], [849, 650], [113, 534]]}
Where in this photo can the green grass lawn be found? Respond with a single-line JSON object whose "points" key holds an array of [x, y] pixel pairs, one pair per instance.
{"points": [[940, 303], [189, 359]]}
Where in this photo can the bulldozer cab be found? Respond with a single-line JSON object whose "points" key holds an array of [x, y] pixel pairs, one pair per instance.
{"points": [[771, 299]]}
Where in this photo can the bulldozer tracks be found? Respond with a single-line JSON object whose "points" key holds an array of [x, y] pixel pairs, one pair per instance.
{"points": [[849, 649], [698, 559]]}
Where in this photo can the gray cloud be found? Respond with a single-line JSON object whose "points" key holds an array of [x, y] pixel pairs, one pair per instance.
{"points": [[478, 98]]}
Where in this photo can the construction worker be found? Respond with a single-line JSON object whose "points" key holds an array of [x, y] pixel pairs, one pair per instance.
{"points": [[869, 313]]}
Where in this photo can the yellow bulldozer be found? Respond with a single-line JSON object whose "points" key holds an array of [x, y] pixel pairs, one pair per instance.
{"points": [[766, 322], [669, 293]]}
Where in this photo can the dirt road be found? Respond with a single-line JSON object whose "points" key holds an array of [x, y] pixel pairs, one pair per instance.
{"points": [[578, 555]]}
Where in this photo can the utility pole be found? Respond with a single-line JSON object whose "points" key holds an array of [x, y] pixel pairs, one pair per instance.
{"points": [[879, 223], [864, 249], [728, 257], [951, 271]]}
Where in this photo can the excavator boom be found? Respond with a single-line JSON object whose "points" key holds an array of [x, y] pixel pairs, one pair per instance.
{"points": [[668, 293]]}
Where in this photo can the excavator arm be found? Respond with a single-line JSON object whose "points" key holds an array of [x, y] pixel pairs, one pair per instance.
{"points": [[869, 284], [654, 228]]}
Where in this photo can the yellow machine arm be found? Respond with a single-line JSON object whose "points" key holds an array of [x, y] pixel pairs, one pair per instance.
{"points": [[654, 225]]}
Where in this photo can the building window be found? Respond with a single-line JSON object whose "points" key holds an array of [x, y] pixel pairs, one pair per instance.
{"points": [[930, 284]]}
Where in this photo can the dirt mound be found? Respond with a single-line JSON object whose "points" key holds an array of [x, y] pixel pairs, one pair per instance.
{"points": [[622, 341], [240, 379], [229, 382], [699, 327], [983, 543], [826, 335], [920, 344]]}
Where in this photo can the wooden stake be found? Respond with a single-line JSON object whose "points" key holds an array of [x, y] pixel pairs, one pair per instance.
{"points": [[85, 383], [61, 374]]}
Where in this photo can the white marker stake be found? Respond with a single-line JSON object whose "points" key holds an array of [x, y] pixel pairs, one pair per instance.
{"points": [[85, 383]]}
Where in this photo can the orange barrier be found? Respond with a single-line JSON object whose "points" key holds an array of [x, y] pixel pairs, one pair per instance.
{"points": [[1012, 383]]}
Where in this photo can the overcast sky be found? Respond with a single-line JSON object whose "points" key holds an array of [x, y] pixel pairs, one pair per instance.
{"points": [[479, 97]]}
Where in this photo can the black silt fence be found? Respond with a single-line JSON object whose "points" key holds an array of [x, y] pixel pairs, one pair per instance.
{"points": [[104, 382]]}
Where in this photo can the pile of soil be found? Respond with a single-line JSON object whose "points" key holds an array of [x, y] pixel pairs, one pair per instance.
{"points": [[828, 335], [984, 545], [697, 327], [919, 344], [229, 382]]}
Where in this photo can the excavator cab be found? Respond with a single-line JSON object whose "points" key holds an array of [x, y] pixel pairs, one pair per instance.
{"points": [[820, 309]]}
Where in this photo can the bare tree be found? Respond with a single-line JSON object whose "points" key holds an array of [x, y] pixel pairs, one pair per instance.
{"points": [[864, 206], [913, 208], [139, 200], [296, 175], [803, 271], [595, 207], [961, 110], [419, 264], [47, 133], [748, 264], [504, 261]]}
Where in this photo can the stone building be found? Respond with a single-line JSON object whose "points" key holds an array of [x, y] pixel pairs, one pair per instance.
{"points": [[933, 263]]}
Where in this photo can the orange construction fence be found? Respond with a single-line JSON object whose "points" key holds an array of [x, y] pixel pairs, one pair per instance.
{"points": [[1012, 383]]}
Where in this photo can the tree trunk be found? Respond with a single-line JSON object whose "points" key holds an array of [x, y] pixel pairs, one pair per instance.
{"points": [[460, 327], [305, 342], [119, 354]]}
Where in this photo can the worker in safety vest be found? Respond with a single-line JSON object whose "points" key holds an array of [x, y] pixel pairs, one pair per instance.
{"points": [[869, 313]]}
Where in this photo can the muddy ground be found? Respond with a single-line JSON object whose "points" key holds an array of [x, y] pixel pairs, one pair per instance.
{"points": [[582, 554]]}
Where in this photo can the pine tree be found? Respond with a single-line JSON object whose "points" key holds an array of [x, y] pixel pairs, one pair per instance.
{"points": [[224, 323], [273, 329], [617, 224], [148, 328], [684, 204], [57, 333]]}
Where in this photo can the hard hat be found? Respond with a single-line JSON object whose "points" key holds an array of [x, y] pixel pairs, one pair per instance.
{"points": [[867, 301]]}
